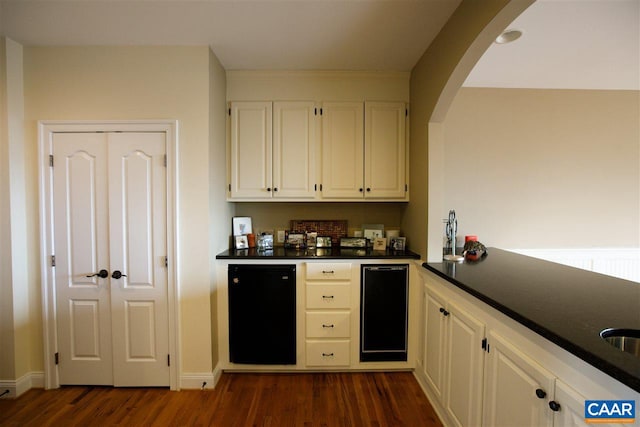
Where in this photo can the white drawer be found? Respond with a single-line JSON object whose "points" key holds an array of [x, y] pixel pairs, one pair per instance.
{"points": [[329, 271], [322, 324], [328, 353], [328, 296]]}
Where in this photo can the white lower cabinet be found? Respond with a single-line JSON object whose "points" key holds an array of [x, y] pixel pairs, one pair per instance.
{"points": [[329, 353], [517, 389], [453, 358], [328, 288], [481, 369]]}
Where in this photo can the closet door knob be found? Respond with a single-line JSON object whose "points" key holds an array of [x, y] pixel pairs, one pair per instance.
{"points": [[102, 274], [117, 274]]}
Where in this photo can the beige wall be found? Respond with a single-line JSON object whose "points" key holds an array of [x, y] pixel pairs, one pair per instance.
{"points": [[220, 211], [434, 82], [7, 353], [102, 83], [19, 328], [545, 168]]}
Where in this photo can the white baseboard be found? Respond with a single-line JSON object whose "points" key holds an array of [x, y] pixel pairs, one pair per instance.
{"points": [[195, 380], [22, 384], [623, 263]]}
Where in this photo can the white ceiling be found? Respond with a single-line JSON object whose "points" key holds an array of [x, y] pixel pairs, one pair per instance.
{"points": [[566, 43], [385, 35]]}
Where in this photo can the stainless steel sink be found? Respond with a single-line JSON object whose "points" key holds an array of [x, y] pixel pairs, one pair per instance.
{"points": [[627, 340]]}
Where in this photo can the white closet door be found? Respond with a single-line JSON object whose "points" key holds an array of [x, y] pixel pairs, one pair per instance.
{"points": [[110, 214], [137, 220], [82, 249]]}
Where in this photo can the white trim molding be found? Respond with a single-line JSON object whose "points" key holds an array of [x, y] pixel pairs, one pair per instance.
{"points": [[22, 384], [46, 129], [623, 263]]}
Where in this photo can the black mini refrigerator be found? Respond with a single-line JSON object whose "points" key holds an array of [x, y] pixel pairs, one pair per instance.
{"points": [[384, 296], [262, 314]]}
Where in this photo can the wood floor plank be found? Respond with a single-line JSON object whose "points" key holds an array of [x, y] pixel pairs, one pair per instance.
{"points": [[239, 399]]}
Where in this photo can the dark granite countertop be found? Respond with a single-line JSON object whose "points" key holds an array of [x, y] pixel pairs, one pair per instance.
{"points": [[317, 253], [566, 305]]}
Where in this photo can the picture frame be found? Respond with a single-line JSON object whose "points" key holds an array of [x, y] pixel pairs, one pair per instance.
{"points": [[312, 238], [398, 243], [372, 234], [323, 241], [294, 240], [380, 244], [242, 242], [241, 225]]}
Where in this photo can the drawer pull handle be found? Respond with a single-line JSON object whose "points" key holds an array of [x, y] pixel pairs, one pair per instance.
{"points": [[327, 296], [328, 272], [327, 326], [327, 354]]}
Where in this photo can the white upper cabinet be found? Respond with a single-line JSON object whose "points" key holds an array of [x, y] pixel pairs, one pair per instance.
{"points": [[364, 151], [294, 160], [251, 150], [274, 155], [384, 150], [342, 150], [272, 150]]}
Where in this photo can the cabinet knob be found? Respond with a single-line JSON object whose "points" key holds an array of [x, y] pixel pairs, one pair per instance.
{"points": [[555, 406], [446, 313], [268, 188], [360, 190], [275, 188], [541, 393], [368, 189]]}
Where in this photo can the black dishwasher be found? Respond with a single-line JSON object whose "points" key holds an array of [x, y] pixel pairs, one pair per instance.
{"points": [[383, 312], [262, 314]]}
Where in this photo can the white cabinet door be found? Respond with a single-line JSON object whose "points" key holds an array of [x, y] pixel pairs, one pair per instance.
{"points": [[294, 160], [251, 139], [512, 380], [465, 362], [342, 150], [384, 150], [434, 342]]}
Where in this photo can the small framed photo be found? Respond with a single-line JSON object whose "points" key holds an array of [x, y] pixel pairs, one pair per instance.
{"points": [[380, 244], [242, 242], [242, 225], [371, 234], [398, 243], [312, 238], [323, 241], [294, 240]]}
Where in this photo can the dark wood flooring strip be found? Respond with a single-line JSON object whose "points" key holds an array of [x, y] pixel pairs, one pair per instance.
{"points": [[240, 399]]}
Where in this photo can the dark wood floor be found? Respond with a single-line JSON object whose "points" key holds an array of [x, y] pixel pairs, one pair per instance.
{"points": [[300, 399]]}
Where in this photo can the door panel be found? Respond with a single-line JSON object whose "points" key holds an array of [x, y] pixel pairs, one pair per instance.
{"points": [[384, 150], [81, 249], [342, 150], [137, 218], [110, 213], [510, 389]]}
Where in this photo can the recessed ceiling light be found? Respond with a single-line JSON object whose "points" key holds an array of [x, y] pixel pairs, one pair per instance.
{"points": [[508, 36]]}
